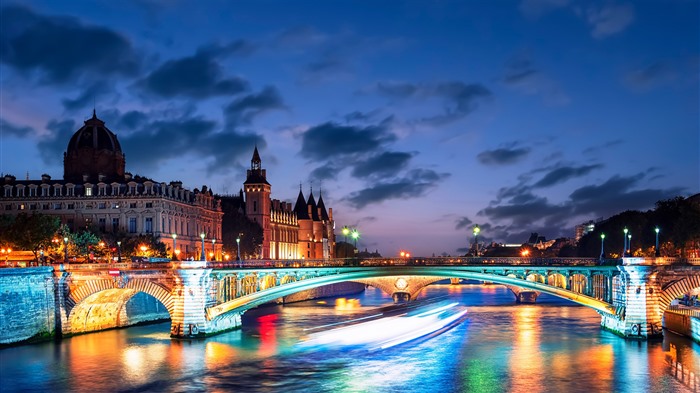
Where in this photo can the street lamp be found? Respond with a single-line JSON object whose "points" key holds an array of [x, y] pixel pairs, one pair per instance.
{"points": [[238, 247], [65, 249], [213, 249], [629, 244], [476, 238], [174, 245], [657, 252], [119, 252], [202, 256], [602, 249], [624, 238], [354, 235], [346, 231]]}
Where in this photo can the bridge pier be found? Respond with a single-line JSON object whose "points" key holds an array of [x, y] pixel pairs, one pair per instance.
{"points": [[189, 292], [401, 297], [636, 296]]}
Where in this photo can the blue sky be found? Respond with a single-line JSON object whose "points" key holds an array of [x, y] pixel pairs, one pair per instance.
{"points": [[417, 119]]}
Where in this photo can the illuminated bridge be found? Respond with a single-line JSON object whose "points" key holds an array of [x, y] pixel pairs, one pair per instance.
{"points": [[205, 298]]}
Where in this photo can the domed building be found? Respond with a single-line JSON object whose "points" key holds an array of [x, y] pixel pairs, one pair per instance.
{"points": [[96, 192]]}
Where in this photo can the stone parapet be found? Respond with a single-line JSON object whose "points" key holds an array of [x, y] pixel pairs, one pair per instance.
{"points": [[27, 307]]}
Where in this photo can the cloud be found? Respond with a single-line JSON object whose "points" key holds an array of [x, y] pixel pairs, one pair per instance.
{"points": [[503, 155], [609, 19], [562, 174], [382, 165], [417, 183], [52, 146], [607, 145], [299, 38], [62, 49], [361, 117], [329, 140], [462, 222], [458, 98], [525, 210], [12, 129], [245, 109], [522, 76], [92, 95], [649, 76], [326, 171], [196, 76]]}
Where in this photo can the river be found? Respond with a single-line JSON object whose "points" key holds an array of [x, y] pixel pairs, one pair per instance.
{"points": [[552, 346]]}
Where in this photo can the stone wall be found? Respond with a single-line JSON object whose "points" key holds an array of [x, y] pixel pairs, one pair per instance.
{"points": [[27, 307], [143, 307], [685, 325], [340, 289]]}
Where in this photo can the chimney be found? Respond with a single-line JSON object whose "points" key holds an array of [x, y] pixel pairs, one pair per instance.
{"points": [[330, 213], [45, 177]]}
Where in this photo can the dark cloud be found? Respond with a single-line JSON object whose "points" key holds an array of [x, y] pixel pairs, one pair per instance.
{"points": [[62, 49], [459, 99], [238, 47], [384, 164], [618, 194], [132, 119], [361, 117], [522, 76], [503, 155], [649, 76], [462, 222], [12, 129], [245, 109], [52, 146], [327, 171], [562, 174], [92, 95], [606, 145], [528, 210], [329, 140], [417, 183], [197, 76]]}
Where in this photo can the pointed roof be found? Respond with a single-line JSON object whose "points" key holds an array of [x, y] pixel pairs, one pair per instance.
{"points": [[322, 206], [314, 208], [256, 156], [300, 207]]}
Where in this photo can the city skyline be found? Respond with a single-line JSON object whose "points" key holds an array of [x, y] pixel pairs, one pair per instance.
{"points": [[416, 120]]}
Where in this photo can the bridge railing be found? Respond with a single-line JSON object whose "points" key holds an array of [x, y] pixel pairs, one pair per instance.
{"points": [[693, 312]]}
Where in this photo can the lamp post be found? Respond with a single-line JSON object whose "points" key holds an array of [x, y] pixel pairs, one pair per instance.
{"points": [[202, 256], [629, 244], [624, 238], [354, 235], [602, 246], [476, 238], [657, 252], [65, 249], [346, 231], [213, 249], [119, 252], [238, 249], [174, 245]]}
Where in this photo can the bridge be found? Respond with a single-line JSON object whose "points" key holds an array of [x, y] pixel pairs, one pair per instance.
{"points": [[206, 298]]}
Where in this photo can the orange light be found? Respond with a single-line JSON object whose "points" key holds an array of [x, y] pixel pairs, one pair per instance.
{"points": [[525, 253], [143, 248], [227, 257], [102, 244], [408, 255], [403, 254]]}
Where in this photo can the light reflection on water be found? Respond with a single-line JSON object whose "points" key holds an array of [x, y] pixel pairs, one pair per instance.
{"points": [[552, 346]]}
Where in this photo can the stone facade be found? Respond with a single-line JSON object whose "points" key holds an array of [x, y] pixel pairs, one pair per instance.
{"points": [[104, 197], [27, 304]]}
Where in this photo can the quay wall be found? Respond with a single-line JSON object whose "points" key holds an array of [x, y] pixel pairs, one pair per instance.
{"points": [[685, 325], [340, 289], [27, 305]]}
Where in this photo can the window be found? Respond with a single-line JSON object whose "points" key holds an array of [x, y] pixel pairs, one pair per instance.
{"points": [[70, 191], [32, 191], [149, 205], [132, 224], [255, 206], [57, 206], [21, 206], [115, 190], [88, 191], [20, 191], [71, 206], [102, 205], [45, 191], [148, 225], [132, 205], [115, 225], [8, 207], [102, 222], [57, 191], [32, 206], [45, 206]]}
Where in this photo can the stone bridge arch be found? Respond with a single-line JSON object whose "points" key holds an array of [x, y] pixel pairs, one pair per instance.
{"points": [[100, 304], [677, 289], [407, 287]]}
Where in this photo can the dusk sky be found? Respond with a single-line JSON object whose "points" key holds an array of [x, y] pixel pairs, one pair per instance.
{"points": [[416, 119]]}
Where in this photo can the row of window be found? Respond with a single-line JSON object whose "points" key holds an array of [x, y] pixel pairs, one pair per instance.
{"points": [[87, 189], [70, 206]]}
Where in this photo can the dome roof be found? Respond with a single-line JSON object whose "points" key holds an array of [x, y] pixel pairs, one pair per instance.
{"points": [[94, 135]]}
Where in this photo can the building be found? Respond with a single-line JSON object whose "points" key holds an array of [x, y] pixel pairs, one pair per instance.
{"points": [[302, 231], [97, 192]]}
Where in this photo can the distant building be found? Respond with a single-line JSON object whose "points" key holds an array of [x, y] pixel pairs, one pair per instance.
{"points": [[302, 231], [97, 192], [583, 229]]}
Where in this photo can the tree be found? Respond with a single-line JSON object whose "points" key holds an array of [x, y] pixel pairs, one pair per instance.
{"points": [[31, 232], [84, 242]]}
